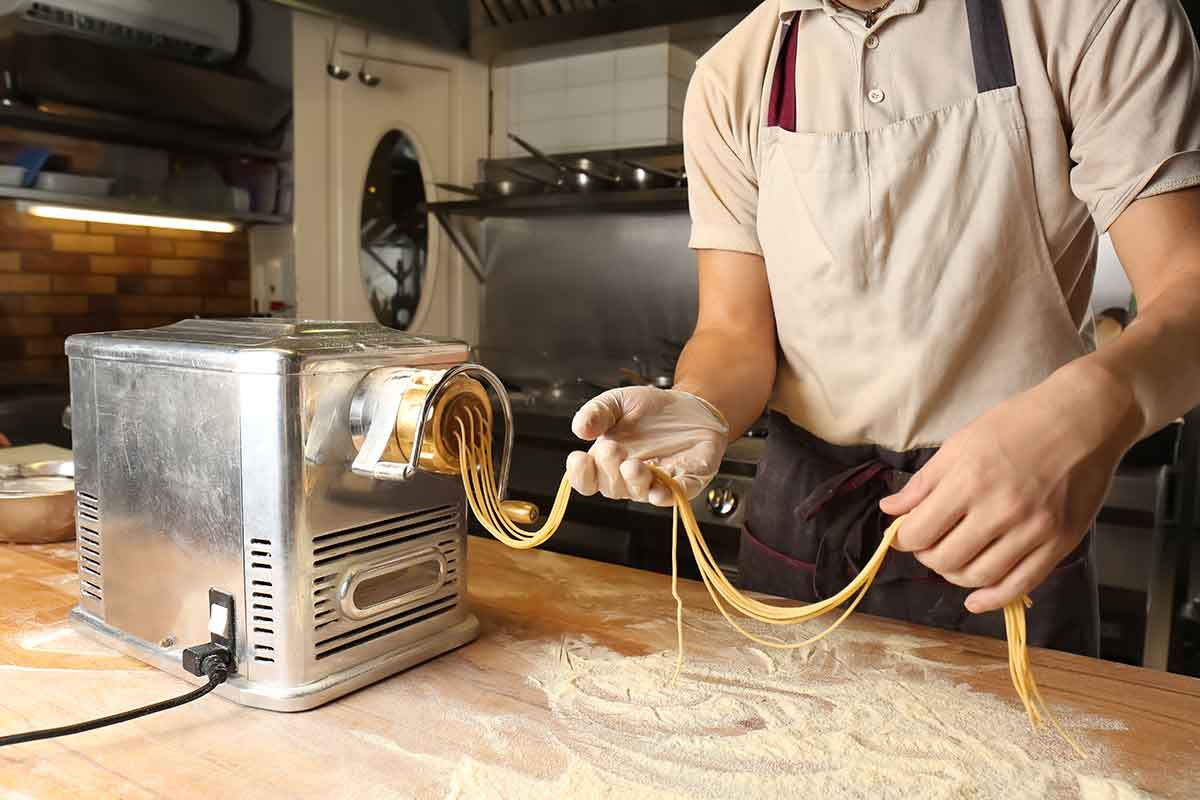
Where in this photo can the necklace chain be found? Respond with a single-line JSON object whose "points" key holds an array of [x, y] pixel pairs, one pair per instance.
{"points": [[868, 16]]}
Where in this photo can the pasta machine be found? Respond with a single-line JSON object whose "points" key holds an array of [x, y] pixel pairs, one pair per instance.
{"points": [[290, 488]]}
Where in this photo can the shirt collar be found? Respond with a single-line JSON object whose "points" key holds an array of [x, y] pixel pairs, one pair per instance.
{"points": [[788, 7]]}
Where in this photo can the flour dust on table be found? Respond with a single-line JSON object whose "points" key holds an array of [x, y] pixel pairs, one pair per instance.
{"points": [[746, 723]]}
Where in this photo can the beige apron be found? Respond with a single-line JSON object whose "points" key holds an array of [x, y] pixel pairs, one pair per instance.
{"points": [[927, 295], [914, 257]]}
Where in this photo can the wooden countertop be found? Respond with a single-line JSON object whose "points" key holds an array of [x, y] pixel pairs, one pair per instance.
{"points": [[530, 709]]}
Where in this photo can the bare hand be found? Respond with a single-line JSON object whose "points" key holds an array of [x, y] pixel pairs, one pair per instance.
{"points": [[1007, 497]]}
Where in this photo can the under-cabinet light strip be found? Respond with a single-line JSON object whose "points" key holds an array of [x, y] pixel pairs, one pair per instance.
{"points": [[122, 218]]}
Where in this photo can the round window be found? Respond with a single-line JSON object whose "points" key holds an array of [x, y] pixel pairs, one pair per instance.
{"points": [[394, 231]]}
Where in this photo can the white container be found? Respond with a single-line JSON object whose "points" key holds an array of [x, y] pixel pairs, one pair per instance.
{"points": [[11, 176], [74, 184]]}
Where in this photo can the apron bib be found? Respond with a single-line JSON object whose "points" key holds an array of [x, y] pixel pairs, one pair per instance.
{"points": [[929, 296]]}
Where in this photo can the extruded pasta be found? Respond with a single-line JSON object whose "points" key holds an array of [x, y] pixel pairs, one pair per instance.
{"points": [[479, 482]]}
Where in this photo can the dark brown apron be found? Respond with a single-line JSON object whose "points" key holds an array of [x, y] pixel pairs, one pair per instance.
{"points": [[813, 521]]}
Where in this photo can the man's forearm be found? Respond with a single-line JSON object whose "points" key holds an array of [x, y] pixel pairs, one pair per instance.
{"points": [[1158, 357], [718, 366], [1150, 374]]}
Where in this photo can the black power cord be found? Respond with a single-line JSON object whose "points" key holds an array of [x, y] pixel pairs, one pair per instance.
{"points": [[209, 660]]}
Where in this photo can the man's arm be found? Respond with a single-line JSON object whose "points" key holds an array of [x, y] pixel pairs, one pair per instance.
{"points": [[730, 359], [1006, 498], [729, 363], [1157, 359]]}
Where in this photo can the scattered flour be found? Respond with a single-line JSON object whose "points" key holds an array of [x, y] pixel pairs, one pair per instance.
{"points": [[1092, 787], [746, 723], [62, 639]]}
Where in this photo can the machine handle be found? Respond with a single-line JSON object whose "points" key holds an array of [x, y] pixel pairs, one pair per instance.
{"points": [[520, 512]]}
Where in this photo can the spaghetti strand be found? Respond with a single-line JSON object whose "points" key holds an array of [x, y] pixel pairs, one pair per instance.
{"points": [[473, 436]]}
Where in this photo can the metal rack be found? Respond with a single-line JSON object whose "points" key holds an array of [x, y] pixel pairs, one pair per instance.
{"points": [[600, 201]]}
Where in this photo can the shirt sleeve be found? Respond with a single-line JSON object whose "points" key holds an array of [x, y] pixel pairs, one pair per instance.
{"points": [[1133, 107], [722, 184]]}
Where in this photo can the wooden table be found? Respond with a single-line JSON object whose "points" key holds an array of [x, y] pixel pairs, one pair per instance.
{"points": [[509, 716]]}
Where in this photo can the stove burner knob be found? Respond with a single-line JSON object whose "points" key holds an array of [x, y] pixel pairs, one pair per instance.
{"points": [[722, 501]]}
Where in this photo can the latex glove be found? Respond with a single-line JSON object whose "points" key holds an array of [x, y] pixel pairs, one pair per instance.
{"points": [[678, 432]]}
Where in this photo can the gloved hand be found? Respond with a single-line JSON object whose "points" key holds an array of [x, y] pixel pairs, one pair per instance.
{"points": [[678, 432]]}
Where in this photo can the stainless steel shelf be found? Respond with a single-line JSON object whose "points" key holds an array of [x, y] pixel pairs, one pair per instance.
{"points": [[660, 155], [136, 207], [543, 205]]}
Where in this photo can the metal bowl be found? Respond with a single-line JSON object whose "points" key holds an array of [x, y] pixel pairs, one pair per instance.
{"points": [[37, 502]]}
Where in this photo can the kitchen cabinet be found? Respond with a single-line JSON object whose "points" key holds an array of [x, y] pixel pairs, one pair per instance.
{"points": [[437, 102]]}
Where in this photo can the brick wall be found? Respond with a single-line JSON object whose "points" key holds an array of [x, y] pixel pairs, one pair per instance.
{"points": [[58, 278]]}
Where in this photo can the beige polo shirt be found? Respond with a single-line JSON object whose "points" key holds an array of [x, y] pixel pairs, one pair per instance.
{"points": [[1109, 89]]}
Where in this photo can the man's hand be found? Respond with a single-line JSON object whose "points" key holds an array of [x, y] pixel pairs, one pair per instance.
{"points": [[1007, 497], [1012, 493], [632, 426]]}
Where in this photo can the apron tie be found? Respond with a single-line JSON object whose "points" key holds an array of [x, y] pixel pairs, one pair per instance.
{"points": [[842, 483]]}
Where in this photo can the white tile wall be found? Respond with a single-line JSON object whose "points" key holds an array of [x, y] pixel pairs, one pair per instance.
{"points": [[547, 134], [642, 62], [631, 97], [591, 131], [591, 68], [539, 76], [541, 105], [642, 93], [680, 63], [676, 92], [599, 98], [643, 125]]}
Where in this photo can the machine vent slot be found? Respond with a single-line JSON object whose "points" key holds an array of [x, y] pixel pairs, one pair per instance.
{"points": [[261, 615], [336, 644], [88, 549], [330, 547], [335, 633]]}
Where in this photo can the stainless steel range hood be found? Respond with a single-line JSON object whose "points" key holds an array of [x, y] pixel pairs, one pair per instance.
{"points": [[504, 32], [514, 31], [437, 23]]}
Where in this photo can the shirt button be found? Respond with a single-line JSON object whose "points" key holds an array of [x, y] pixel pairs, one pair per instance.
{"points": [[872, 42], [875, 95]]}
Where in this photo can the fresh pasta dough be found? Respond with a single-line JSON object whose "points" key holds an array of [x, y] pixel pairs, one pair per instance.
{"points": [[474, 439]]}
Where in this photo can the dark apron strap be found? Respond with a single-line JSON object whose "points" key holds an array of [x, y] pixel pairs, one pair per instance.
{"points": [[990, 47], [782, 111], [990, 50]]}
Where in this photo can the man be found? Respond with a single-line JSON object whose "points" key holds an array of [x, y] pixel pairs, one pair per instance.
{"points": [[895, 210]]}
